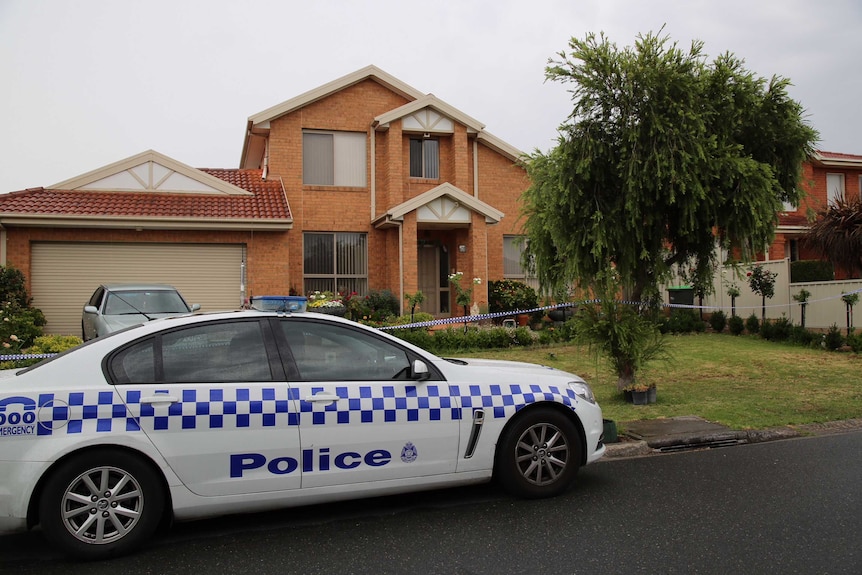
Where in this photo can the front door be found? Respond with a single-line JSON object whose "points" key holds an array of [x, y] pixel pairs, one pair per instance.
{"points": [[433, 265]]}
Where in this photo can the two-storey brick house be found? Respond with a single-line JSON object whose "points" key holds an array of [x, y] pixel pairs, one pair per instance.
{"points": [[363, 183], [826, 176]]}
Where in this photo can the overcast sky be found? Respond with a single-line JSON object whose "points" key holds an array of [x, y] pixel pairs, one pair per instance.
{"points": [[89, 82]]}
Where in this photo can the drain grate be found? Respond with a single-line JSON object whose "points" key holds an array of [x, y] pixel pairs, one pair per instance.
{"points": [[714, 444]]}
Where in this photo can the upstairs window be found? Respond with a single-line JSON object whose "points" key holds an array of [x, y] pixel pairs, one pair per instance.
{"points": [[834, 187], [424, 158], [333, 159]]}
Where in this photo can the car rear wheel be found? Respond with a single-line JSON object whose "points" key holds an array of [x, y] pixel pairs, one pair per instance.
{"points": [[539, 454], [101, 504]]}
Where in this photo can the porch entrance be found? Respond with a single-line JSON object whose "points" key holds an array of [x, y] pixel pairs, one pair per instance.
{"points": [[433, 263]]}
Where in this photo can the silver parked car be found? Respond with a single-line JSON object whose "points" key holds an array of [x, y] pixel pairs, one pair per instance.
{"points": [[113, 307]]}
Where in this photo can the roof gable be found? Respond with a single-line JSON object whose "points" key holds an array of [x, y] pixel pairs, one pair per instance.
{"points": [[263, 118], [150, 171], [442, 205], [219, 199], [420, 112]]}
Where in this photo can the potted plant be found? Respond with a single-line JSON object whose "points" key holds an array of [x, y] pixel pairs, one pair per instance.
{"points": [[639, 394]]}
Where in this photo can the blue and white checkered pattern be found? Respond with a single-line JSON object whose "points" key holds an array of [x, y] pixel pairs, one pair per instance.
{"points": [[274, 407]]}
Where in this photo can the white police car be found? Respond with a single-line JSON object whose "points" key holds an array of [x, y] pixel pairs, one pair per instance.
{"points": [[210, 414]]}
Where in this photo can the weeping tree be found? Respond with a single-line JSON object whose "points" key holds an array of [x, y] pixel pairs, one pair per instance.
{"points": [[664, 155], [837, 233]]}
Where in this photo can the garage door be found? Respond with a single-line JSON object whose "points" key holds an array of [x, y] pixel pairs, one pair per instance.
{"points": [[64, 275]]}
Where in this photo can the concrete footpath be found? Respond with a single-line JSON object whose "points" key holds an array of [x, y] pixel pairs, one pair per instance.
{"points": [[686, 433]]}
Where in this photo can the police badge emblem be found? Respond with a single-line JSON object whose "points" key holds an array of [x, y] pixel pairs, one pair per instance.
{"points": [[409, 453]]}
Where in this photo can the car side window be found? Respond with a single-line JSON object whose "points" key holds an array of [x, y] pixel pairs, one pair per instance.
{"points": [[134, 364], [329, 352], [96, 298], [210, 353]]}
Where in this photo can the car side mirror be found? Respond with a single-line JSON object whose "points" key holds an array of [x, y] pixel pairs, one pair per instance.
{"points": [[420, 370], [196, 306], [90, 309]]}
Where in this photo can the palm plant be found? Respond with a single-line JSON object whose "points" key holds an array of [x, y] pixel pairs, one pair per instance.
{"points": [[837, 233]]}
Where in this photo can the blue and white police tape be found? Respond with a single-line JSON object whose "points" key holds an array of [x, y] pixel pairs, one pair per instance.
{"points": [[20, 356]]}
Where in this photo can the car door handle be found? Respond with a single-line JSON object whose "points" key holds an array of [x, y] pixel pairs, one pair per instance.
{"points": [[328, 397], [160, 398]]}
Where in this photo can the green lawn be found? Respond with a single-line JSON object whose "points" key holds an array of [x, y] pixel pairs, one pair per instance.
{"points": [[743, 382]]}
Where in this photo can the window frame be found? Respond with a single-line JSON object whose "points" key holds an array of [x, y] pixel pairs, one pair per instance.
{"points": [[425, 159], [340, 169], [841, 191], [354, 278]]}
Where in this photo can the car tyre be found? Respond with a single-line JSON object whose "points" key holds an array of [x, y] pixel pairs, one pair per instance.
{"points": [[101, 504], [539, 454]]}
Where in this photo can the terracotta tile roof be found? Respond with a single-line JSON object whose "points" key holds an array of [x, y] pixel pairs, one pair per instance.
{"points": [[839, 156], [267, 203], [785, 219]]}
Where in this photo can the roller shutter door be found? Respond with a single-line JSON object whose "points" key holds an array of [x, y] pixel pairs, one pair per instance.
{"points": [[64, 275]]}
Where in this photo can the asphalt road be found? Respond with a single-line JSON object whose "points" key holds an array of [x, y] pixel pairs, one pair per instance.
{"points": [[783, 507]]}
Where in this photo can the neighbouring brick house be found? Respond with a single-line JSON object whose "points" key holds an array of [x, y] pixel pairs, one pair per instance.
{"points": [[825, 176], [363, 183]]}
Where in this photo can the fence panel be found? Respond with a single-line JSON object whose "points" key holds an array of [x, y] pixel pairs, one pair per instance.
{"points": [[824, 308]]}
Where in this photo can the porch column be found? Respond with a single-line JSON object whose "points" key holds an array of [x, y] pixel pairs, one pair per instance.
{"points": [[409, 280], [478, 253]]}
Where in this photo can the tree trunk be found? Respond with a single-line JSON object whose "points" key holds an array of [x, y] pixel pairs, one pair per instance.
{"points": [[626, 378]]}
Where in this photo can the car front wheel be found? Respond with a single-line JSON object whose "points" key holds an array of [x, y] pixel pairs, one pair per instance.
{"points": [[101, 504], [539, 454]]}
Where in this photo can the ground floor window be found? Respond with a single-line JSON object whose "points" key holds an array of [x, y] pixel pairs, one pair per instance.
{"points": [[513, 266], [335, 262]]}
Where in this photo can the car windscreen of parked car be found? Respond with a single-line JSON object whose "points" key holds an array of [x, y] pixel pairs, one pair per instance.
{"points": [[145, 302]]}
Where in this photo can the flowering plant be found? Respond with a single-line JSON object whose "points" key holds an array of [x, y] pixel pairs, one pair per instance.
{"points": [[762, 281], [733, 290], [324, 299], [463, 296], [12, 346]]}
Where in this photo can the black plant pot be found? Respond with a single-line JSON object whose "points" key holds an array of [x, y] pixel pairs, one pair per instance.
{"points": [[640, 397], [610, 431], [560, 314]]}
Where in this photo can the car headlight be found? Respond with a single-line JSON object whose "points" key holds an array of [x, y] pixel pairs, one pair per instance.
{"points": [[583, 390]]}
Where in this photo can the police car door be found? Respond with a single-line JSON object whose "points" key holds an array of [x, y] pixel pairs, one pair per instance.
{"points": [[361, 416], [213, 399]]}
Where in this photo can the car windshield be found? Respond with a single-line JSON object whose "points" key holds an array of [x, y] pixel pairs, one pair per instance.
{"points": [[144, 302]]}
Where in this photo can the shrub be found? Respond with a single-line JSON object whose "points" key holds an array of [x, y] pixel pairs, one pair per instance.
{"points": [[13, 287], [811, 271], [682, 321], [736, 325], [54, 343], [718, 321], [854, 340], [510, 295], [752, 324], [419, 337], [779, 329], [801, 336], [522, 336], [378, 307], [23, 322], [833, 339]]}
